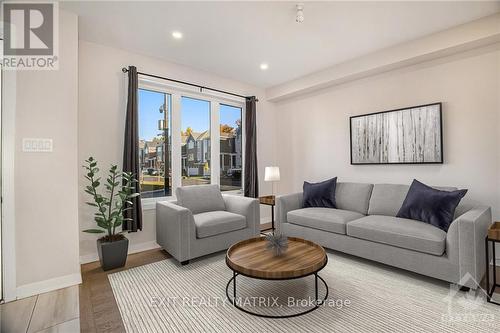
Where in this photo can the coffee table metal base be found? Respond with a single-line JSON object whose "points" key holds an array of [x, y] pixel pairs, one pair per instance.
{"points": [[318, 302]]}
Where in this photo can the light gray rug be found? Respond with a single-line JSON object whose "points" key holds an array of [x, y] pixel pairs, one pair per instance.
{"points": [[364, 297]]}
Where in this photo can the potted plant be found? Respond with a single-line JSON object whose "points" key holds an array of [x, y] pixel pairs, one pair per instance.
{"points": [[119, 187]]}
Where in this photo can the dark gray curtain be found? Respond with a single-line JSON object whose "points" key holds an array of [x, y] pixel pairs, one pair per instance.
{"points": [[251, 186], [131, 150]]}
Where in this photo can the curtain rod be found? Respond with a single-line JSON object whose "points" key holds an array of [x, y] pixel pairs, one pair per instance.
{"points": [[125, 70]]}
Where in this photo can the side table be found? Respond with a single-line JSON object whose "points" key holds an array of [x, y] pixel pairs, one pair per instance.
{"points": [[269, 200], [492, 238]]}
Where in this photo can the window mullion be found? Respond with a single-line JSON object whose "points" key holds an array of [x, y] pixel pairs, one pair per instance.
{"points": [[243, 145], [215, 141], [176, 142]]}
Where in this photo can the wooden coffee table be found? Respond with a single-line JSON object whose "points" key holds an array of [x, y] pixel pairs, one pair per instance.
{"points": [[251, 258]]}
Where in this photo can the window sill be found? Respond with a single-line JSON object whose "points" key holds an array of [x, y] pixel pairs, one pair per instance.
{"points": [[150, 203], [236, 192]]}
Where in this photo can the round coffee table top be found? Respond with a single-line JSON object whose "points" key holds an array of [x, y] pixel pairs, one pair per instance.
{"points": [[251, 258]]}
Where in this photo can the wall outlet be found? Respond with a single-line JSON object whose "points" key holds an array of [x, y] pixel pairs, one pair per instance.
{"points": [[36, 145]]}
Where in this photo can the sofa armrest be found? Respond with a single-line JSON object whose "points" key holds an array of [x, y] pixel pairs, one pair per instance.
{"points": [[467, 234], [248, 207], [285, 204], [174, 225]]}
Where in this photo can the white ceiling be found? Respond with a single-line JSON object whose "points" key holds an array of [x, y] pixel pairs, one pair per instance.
{"points": [[231, 39]]}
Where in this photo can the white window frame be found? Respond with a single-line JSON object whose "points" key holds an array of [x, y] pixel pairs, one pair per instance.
{"points": [[8, 189], [178, 91]]}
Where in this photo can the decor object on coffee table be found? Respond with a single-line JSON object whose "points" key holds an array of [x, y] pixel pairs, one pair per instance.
{"points": [[277, 243], [493, 237], [251, 258], [410, 135], [113, 247]]}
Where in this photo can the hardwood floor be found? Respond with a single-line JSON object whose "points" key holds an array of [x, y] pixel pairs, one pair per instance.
{"points": [[98, 309]]}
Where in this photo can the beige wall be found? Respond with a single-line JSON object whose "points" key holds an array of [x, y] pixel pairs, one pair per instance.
{"points": [[46, 184], [101, 117], [313, 130]]}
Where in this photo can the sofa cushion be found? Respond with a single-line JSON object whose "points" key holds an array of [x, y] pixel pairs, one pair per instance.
{"points": [[217, 222], [353, 196], [387, 199], [328, 219], [405, 233], [200, 198]]}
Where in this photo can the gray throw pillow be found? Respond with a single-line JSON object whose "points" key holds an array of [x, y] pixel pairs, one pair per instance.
{"points": [[320, 194], [429, 205]]}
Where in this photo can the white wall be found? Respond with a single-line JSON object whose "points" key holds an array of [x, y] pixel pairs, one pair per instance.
{"points": [[101, 118], [46, 184], [313, 130]]}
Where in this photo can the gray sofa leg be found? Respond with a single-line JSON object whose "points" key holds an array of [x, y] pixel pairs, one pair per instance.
{"points": [[185, 262]]}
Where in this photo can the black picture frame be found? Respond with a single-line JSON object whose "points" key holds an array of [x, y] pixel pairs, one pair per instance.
{"points": [[441, 161]]}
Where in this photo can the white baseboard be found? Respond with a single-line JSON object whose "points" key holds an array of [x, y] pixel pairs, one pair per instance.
{"points": [[44, 286], [133, 248]]}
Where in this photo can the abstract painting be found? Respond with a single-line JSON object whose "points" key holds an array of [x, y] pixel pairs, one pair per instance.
{"points": [[404, 136]]}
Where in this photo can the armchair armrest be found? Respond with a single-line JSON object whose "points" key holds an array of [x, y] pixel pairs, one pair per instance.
{"points": [[285, 204], [467, 233], [173, 229], [248, 207]]}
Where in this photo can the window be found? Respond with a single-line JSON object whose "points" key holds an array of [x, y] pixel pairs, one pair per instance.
{"points": [[177, 127], [195, 141], [155, 166], [230, 148]]}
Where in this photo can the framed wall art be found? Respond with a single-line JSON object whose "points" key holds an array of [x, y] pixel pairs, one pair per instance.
{"points": [[412, 135]]}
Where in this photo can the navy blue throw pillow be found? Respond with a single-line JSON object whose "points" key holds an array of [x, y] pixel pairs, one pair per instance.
{"points": [[429, 205], [320, 194]]}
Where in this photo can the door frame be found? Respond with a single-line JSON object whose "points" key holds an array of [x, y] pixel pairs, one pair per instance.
{"points": [[8, 183]]}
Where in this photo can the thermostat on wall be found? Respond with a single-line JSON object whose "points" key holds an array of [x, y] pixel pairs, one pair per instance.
{"points": [[36, 145]]}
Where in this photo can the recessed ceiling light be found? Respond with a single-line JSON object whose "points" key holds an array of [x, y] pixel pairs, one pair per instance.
{"points": [[264, 66], [177, 34]]}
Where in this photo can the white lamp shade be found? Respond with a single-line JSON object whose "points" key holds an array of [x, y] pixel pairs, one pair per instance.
{"points": [[272, 174]]}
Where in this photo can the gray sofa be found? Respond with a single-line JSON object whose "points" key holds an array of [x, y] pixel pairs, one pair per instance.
{"points": [[364, 225], [203, 221]]}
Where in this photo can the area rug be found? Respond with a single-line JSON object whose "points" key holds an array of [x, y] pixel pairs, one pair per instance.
{"points": [[363, 297]]}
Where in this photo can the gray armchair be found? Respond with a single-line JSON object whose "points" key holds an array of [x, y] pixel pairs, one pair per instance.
{"points": [[203, 221]]}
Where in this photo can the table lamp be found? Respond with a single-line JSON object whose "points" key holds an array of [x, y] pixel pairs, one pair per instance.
{"points": [[272, 174]]}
